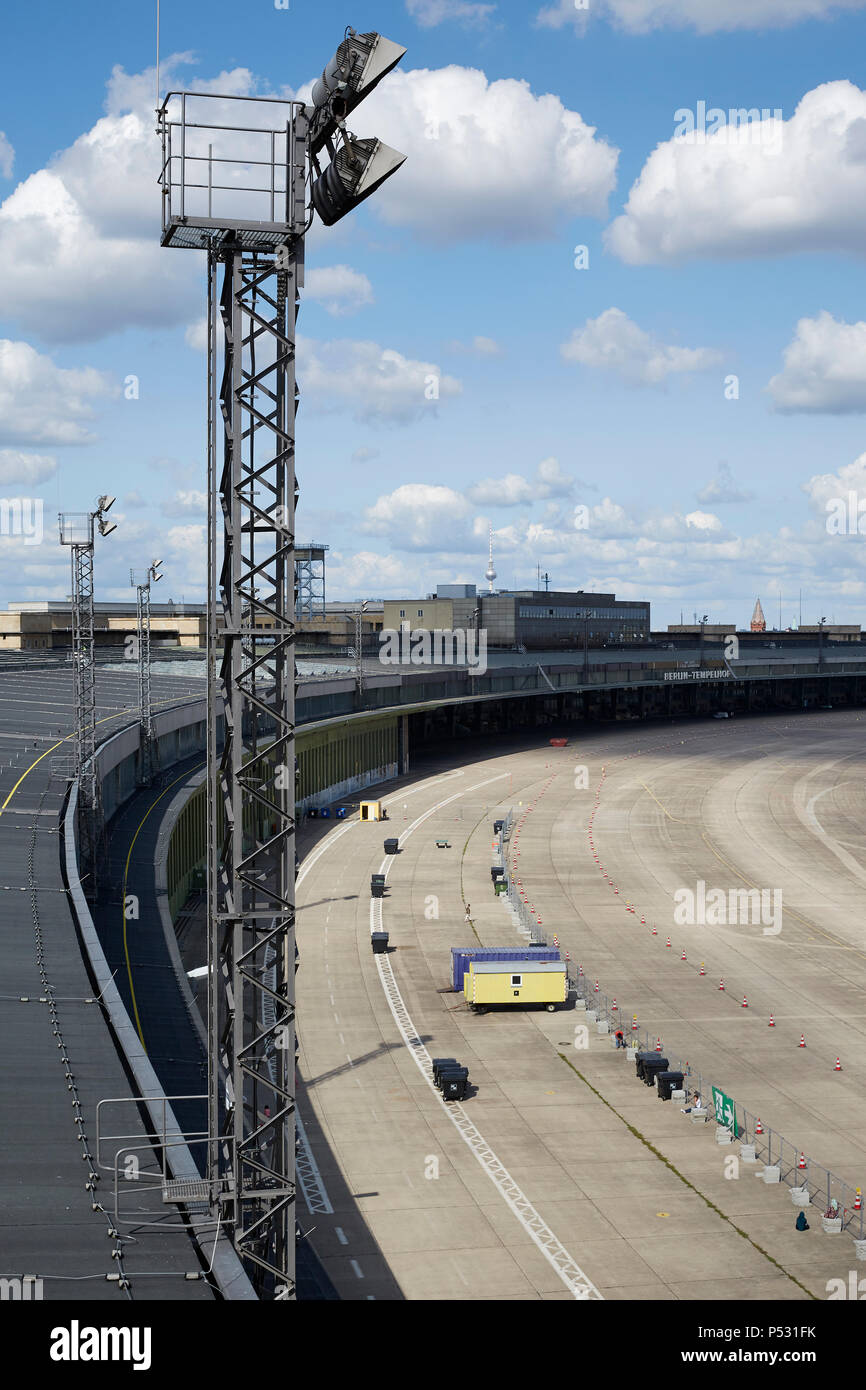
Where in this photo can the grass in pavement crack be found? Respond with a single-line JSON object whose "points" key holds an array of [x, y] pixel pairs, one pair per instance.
{"points": [[683, 1179]]}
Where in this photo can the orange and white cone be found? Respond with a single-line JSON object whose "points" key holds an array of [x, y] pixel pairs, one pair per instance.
{"points": [[613, 1006], [857, 1200], [634, 1023], [772, 1022], [838, 1066], [683, 956], [721, 984], [655, 930], [702, 970], [802, 1042], [759, 1128], [745, 1002], [668, 942], [802, 1162], [596, 986], [658, 1045]]}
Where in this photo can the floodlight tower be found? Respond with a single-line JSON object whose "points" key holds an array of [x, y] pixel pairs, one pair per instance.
{"points": [[77, 531], [234, 180], [145, 704]]}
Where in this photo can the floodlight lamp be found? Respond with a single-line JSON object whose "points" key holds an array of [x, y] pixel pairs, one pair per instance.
{"points": [[106, 527], [358, 65], [105, 503], [358, 169]]}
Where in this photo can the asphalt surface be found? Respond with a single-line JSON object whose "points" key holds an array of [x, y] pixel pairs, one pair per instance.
{"points": [[48, 1228], [643, 1201]]}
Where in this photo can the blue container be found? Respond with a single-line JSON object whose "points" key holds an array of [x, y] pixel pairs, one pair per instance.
{"points": [[461, 956]]}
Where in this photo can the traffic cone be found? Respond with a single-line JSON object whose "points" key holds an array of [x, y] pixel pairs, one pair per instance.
{"points": [[634, 1030], [580, 970], [838, 1066], [857, 1200], [668, 942], [802, 1163], [759, 1128], [613, 1007], [567, 956], [772, 1023], [745, 1002], [702, 971], [658, 1045], [721, 984], [655, 930], [802, 1042], [643, 921], [596, 986], [683, 956]]}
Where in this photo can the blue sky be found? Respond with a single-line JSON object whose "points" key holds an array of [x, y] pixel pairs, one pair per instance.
{"points": [[530, 130]]}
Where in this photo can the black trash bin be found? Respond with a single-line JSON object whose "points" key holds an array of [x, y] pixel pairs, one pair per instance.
{"points": [[667, 1081], [392, 846], [639, 1062], [441, 1064], [496, 872], [652, 1069], [454, 1083], [377, 885], [497, 826], [380, 942]]}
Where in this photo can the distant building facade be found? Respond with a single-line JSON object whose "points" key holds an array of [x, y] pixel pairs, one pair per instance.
{"points": [[529, 619], [48, 626]]}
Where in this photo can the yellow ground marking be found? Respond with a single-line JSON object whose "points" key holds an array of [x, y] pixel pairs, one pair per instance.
{"points": [[153, 804]]}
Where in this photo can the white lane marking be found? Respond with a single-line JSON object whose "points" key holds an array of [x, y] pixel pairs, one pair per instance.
{"points": [[343, 1041], [569, 1271], [331, 997], [357, 1268], [315, 855], [578, 1283], [341, 1235], [385, 866], [310, 1180]]}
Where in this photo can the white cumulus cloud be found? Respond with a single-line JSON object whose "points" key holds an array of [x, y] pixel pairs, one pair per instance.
{"points": [[429, 13], [486, 159], [41, 403], [803, 190], [338, 288], [613, 342], [7, 156], [377, 384], [704, 16], [419, 516], [825, 369], [18, 467]]}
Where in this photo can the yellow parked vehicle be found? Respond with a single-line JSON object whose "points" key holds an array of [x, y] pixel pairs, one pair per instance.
{"points": [[488, 983]]}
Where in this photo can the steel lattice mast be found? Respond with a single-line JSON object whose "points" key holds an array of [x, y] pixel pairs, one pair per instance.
{"points": [[237, 189], [145, 702], [77, 531]]}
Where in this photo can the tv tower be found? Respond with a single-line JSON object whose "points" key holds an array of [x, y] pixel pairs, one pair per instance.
{"points": [[490, 572]]}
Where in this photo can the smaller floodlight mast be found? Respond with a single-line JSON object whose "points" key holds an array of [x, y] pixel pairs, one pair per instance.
{"points": [[145, 703], [77, 531]]}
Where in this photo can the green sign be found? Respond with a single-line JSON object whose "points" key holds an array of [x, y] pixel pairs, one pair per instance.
{"points": [[725, 1111]]}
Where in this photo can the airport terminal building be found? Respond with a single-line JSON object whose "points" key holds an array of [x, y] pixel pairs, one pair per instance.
{"points": [[527, 619]]}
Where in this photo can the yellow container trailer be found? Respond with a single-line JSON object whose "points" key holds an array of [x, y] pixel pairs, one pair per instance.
{"points": [[488, 983]]}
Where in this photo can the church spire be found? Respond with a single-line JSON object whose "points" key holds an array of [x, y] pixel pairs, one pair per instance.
{"points": [[759, 622]]}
